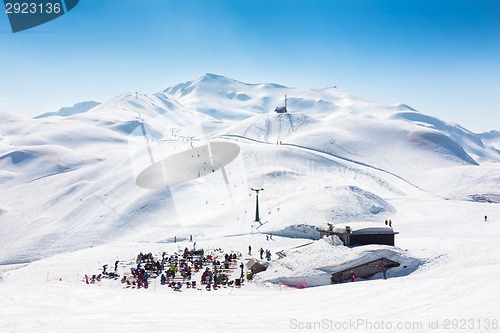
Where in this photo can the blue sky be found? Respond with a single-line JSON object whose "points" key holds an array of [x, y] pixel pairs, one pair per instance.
{"points": [[440, 57]]}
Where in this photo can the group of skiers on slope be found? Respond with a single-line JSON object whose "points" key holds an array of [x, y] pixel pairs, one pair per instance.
{"points": [[261, 250], [97, 277], [261, 253]]}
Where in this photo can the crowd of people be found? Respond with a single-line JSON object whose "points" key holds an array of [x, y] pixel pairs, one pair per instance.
{"points": [[195, 268], [179, 269]]}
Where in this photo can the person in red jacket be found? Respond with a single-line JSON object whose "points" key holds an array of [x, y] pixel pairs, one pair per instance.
{"points": [[352, 276]]}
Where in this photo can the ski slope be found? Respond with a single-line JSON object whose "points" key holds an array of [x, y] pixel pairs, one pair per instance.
{"points": [[69, 203]]}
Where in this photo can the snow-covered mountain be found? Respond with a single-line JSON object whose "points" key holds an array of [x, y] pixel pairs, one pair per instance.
{"points": [[69, 203], [340, 156]]}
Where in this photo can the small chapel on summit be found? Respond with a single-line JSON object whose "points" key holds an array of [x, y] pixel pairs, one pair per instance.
{"points": [[281, 109]]}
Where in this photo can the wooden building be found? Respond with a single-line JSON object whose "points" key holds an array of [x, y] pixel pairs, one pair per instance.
{"points": [[362, 269], [255, 266]]}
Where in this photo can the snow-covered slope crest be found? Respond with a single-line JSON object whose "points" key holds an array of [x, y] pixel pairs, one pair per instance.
{"points": [[71, 110], [227, 99], [491, 138]]}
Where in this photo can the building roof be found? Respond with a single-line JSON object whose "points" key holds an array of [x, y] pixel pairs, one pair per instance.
{"points": [[256, 265], [361, 228]]}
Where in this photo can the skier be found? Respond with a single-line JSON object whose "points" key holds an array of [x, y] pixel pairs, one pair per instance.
{"points": [[104, 269], [390, 223], [140, 277], [204, 276], [261, 251], [352, 276], [384, 269], [116, 265], [249, 250], [485, 218], [242, 266]]}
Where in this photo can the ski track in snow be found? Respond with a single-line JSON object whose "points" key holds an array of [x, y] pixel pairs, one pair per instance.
{"points": [[321, 153]]}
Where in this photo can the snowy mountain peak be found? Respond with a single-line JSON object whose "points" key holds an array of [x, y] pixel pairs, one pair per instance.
{"points": [[204, 81], [208, 77], [224, 80], [402, 106]]}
